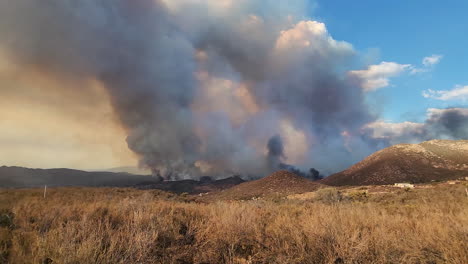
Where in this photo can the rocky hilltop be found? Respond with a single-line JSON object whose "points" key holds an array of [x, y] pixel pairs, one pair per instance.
{"points": [[434, 160]]}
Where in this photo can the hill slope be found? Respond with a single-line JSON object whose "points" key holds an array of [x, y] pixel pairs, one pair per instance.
{"points": [[278, 183], [193, 186], [416, 163], [19, 177]]}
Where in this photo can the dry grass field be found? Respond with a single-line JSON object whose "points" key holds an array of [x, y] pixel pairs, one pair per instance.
{"points": [[86, 225]]}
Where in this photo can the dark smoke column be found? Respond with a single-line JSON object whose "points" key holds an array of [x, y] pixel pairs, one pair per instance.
{"points": [[275, 152]]}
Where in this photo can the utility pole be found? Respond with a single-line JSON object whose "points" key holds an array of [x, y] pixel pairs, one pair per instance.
{"points": [[45, 191]]}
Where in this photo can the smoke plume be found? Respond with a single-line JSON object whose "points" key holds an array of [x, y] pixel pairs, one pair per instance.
{"points": [[202, 87], [275, 152]]}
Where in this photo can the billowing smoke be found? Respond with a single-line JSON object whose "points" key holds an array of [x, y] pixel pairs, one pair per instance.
{"points": [[132, 47], [202, 86], [451, 123]]}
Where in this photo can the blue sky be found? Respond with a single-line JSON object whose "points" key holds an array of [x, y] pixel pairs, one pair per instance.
{"points": [[405, 31]]}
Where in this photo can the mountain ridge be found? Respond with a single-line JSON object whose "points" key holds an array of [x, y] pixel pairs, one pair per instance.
{"points": [[21, 177], [434, 160]]}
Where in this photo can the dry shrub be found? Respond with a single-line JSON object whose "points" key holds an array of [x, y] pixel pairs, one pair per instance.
{"points": [[76, 225], [358, 196], [328, 195]]}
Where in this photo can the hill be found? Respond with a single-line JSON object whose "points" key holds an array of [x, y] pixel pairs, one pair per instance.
{"points": [[280, 183], [193, 186], [435, 160], [19, 177]]}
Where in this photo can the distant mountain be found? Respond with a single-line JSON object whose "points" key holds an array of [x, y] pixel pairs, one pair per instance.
{"points": [[279, 183], [434, 160], [19, 177]]}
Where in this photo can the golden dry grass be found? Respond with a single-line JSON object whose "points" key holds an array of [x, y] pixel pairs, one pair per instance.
{"points": [[85, 225]]}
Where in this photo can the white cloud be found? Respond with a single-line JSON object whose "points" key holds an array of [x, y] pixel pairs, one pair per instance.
{"points": [[428, 64], [432, 60], [457, 93], [378, 76]]}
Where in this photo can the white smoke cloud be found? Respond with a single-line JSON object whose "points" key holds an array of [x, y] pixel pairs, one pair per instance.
{"points": [[378, 76]]}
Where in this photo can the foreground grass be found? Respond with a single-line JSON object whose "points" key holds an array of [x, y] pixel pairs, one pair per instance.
{"points": [[75, 225]]}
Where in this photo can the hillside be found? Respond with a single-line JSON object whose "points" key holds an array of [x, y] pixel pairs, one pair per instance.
{"points": [[19, 177], [279, 183], [434, 160], [193, 186]]}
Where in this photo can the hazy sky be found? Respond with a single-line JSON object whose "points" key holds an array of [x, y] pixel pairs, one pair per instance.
{"points": [[41, 129], [411, 61]]}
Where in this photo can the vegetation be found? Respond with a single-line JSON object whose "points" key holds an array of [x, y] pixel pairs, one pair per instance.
{"points": [[86, 225]]}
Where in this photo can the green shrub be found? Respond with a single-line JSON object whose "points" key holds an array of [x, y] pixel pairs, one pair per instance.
{"points": [[6, 218]]}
